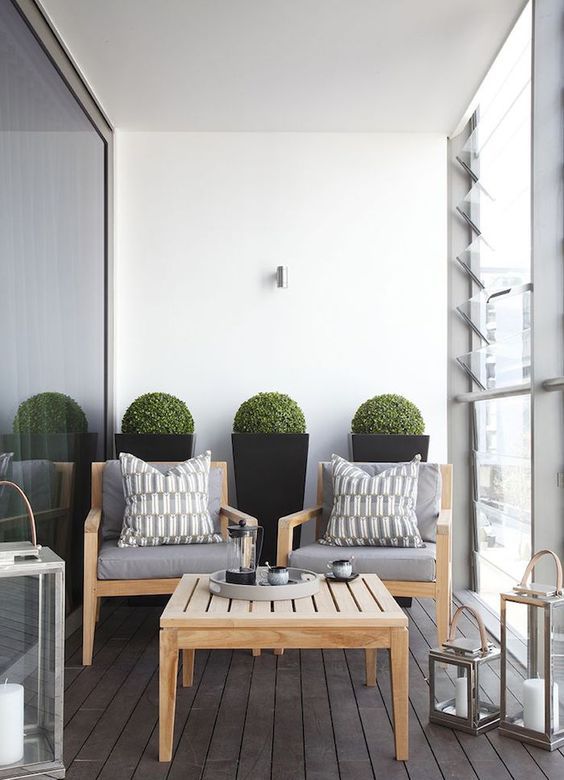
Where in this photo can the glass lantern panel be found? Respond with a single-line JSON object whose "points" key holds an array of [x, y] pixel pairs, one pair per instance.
{"points": [[487, 688], [27, 669], [526, 707], [451, 692], [557, 660]]}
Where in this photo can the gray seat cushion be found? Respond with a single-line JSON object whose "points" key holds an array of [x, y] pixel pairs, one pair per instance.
{"points": [[113, 500], [428, 495], [389, 563], [169, 560]]}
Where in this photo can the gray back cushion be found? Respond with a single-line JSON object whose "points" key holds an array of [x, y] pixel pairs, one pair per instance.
{"points": [[428, 495], [113, 500]]}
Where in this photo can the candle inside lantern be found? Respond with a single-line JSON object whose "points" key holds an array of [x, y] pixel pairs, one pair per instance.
{"points": [[461, 697], [533, 704], [11, 723]]}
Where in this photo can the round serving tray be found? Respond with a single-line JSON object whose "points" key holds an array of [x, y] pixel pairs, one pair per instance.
{"points": [[302, 583]]}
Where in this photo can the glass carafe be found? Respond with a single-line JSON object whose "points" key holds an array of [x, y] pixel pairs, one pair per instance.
{"points": [[244, 542]]}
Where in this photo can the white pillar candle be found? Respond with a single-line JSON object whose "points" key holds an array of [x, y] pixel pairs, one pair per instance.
{"points": [[11, 723], [533, 705], [461, 697]]}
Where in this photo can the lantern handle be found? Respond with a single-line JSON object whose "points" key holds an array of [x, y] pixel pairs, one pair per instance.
{"points": [[479, 621], [533, 562], [28, 509]]}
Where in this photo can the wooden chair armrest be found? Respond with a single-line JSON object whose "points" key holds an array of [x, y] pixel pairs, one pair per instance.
{"points": [[299, 518], [91, 547], [229, 514], [93, 520], [444, 523], [286, 527]]}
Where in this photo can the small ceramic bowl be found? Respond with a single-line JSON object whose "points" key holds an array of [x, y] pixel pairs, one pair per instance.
{"points": [[342, 569], [277, 575]]}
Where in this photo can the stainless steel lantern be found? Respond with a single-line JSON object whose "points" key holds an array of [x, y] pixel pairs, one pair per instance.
{"points": [[457, 698], [31, 657], [533, 711], [245, 543]]}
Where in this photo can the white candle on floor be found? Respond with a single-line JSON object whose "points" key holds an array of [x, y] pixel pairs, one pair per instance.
{"points": [[461, 697], [11, 723], [533, 704]]}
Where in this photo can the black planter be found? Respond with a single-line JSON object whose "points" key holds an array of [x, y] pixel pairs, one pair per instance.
{"points": [[156, 446], [270, 474], [77, 448], [387, 448]]}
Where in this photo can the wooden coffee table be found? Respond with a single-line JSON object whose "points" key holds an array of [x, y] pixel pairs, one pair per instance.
{"points": [[360, 614]]}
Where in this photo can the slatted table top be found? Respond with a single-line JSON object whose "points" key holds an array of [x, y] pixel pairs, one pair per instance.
{"points": [[361, 602]]}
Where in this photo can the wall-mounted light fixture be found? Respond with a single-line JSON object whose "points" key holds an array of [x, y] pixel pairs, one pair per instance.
{"points": [[282, 276]]}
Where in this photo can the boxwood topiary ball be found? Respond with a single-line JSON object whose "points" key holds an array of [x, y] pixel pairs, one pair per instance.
{"points": [[157, 413], [50, 413], [391, 414], [269, 413]]}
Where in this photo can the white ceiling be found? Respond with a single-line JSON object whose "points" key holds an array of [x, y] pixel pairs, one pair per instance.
{"points": [[284, 65]]}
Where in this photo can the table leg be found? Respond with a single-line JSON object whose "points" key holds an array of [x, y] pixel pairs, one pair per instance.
{"points": [[399, 656], [370, 664], [188, 667], [168, 670]]}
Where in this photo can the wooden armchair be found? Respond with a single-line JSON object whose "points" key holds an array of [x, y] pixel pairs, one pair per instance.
{"points": [[437, 586], [108, 569]]}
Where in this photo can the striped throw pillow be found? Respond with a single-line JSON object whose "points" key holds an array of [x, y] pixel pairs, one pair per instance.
{"points": [[374, 511], [170, 508]]}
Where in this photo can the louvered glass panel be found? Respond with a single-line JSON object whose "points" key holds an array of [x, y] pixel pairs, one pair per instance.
{"points": [[500, 315], [474, 205], [473, 257], [492, 269], [469, 155], [503, 364]]}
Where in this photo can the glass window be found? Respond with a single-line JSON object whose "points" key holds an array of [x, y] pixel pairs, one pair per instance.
{"points": [[52, 296], [502, 492], [497, 211]]}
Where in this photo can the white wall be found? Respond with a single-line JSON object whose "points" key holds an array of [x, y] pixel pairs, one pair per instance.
{"points": [[203, 219]]}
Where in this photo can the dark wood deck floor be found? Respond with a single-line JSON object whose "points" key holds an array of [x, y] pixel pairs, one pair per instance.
{"points": [[306, 714]]}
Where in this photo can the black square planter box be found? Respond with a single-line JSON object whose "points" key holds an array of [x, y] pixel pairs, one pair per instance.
{"points": [[270, 475], [156, 447], [388, 448]]}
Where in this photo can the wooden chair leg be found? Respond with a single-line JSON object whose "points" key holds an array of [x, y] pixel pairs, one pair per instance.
{"points": [[98, 608], [256, 652], [188, 667], [399, 657], [278, 651], [442, 618], [443, 600], [370, 657], [168, 668], [88, 626]]}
